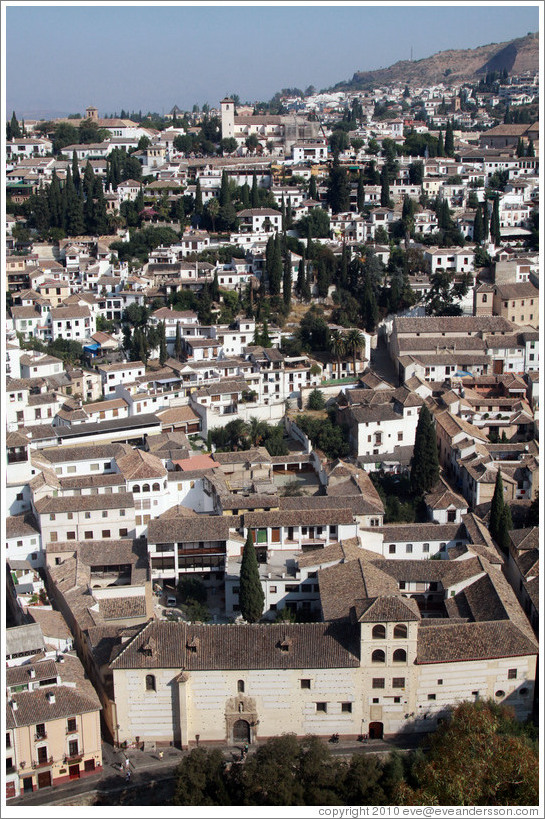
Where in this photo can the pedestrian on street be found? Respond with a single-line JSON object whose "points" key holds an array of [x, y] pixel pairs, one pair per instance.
{"points": [[128, 775]]}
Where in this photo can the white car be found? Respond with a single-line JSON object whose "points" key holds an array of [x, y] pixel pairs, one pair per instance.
{"points": [[171, 602]]}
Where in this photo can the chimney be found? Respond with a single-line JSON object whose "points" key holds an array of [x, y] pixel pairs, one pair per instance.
{"points": [[32, 672], [14, 705], [51, 697]]}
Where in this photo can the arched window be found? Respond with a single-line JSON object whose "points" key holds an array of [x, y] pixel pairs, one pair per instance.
{"points": [[379, 632], [400, 632], [378, 656], [136, 488], [400, 655], [150, 682], [145, 488], [240, 686], [156, 487]]}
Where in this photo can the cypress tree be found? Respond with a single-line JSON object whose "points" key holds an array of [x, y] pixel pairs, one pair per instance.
{"points": [[41, 210], [495, 221], [505, 526], [245, 195], [286, 281], [343, 267], [496, 507], [163, 353], [178, 342], [100, 213], [440, 145], [225, 194], [384, 187], [14, 127], [530, 151], [55, 201], [275, 277], [425, 460], [251, 596], [449, 139], [75, 172], [312, 190], [301, 278], [520, 148], [199, 208], [486, 222], [289, 214], [478, 228], [361, 192], [369, 307], [254, 195]]}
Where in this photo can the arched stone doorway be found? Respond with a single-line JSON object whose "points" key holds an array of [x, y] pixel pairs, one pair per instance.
{"points": [[376, 730], [241, 731]]}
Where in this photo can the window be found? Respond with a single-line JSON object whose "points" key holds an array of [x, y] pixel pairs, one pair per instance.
{"points": [[70, 535], [51, 516], [398, 682], [40, 731], [305, 683], [512, 674], [399, 436], [321, 707], [346, 707], [73, 747], [400, 655], [150, 682], [123, 532], [392, 549], [378, 682], [400, 632], [439, 682], [104, 514], [409, 548], [378, 656], [379, 632], [70, 515], [122, 513], [105, 533], [431, 696], [240, 686], [500, 693], [87, 516], [425, 547], [53, 537], [88, 535], [71, 724]]}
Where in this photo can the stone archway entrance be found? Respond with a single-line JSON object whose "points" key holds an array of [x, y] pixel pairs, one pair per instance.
{"points": [[241, 731], [376, 730]]}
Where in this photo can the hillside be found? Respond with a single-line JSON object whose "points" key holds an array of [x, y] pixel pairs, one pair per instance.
{"points": [[454, 66]]}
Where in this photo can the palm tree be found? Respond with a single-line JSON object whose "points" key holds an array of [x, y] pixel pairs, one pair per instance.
{"points": [[255, 429], [337, 345], [355, 342]]}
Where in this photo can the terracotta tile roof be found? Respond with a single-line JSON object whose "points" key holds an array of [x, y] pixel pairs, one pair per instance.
{"points": [[21, 525], [79, 503], [461, 642], [386, 610], [343, 584], [524, 538], [34, 707], [62, 454], [20, 674], [116, 608], [194, 528], [451, 324], [300, 517], [141, 465], [309, 645]]}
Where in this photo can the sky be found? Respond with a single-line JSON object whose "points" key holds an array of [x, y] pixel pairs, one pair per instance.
{"points": [[61, 58]]}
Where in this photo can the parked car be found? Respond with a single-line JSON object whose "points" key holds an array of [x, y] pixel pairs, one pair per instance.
{"points": [[171, 602]]}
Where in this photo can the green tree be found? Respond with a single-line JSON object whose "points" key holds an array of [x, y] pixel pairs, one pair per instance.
{"points": [[476, 758], [213, 209], [199, 207], [337, 345], [505, 526], [496, 507], [316, 400], [286, 282], [440, 145], [495, 233], [384, 187], [163, 354], [425, 460], [355, 343], [449, 139], [251, 597], [312, 190], [445, 293], [254, 193], [478, 227], [75, 172], [200, 779], [338, 190]]}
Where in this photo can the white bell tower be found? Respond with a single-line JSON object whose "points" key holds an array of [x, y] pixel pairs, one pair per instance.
{"points": [[227, 118]]}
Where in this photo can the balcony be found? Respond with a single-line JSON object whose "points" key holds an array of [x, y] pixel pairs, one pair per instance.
{"points": [[42, 763], [69, 760], [41, 735]]}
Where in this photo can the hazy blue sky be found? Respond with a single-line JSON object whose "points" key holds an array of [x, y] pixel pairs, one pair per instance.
{"points": [[59, 59]]}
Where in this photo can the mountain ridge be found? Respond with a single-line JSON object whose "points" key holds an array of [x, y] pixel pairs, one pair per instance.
{"points": [[452, 66]]}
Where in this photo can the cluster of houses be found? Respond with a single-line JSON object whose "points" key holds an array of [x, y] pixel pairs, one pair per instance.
{"points": [[114, 492]]}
